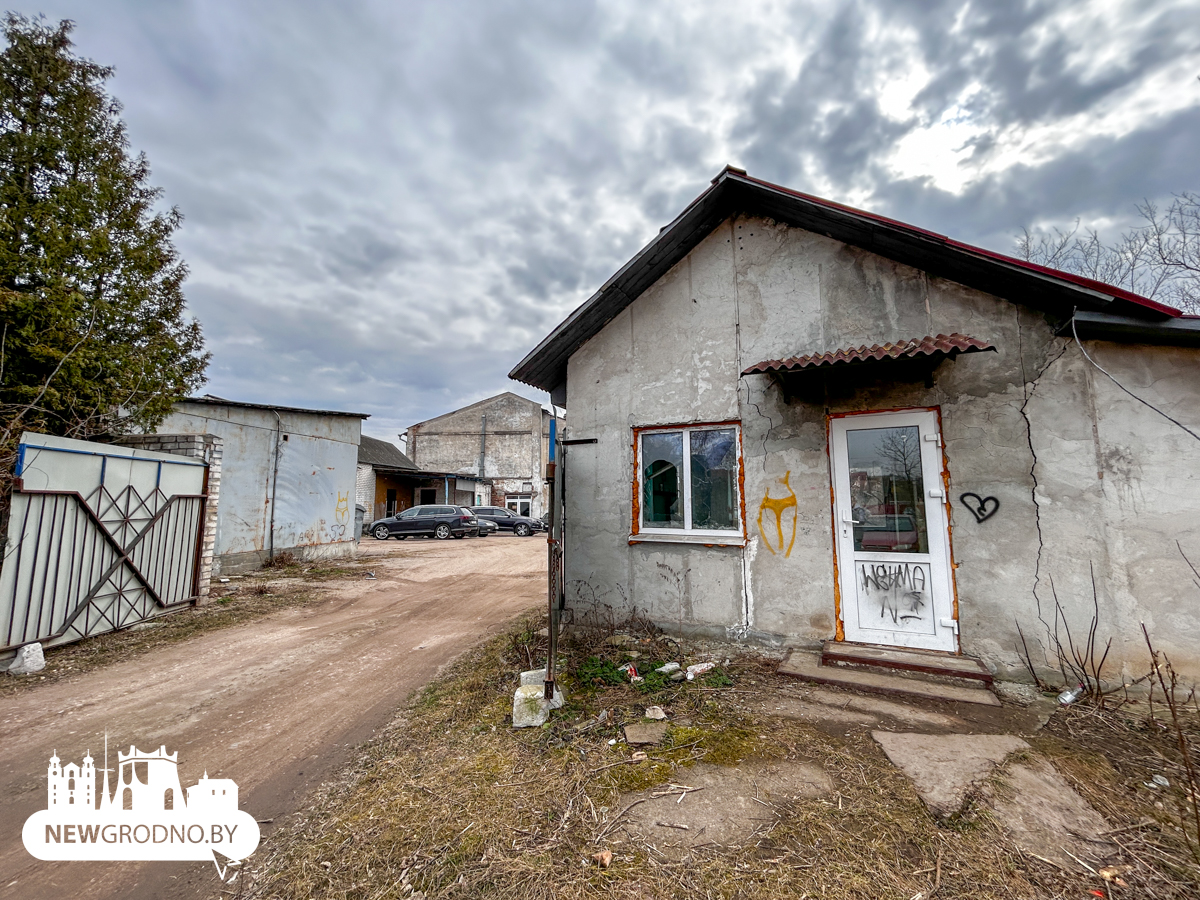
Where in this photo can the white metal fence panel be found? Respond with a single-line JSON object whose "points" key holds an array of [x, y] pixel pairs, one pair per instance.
{"points": [[100, 537]]}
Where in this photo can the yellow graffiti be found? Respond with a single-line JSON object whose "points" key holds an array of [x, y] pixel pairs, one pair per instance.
{"points": [[341, 513], [779, 505]]}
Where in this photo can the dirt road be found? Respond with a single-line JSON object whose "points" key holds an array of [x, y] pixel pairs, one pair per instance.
{"points": [[277, 704]]}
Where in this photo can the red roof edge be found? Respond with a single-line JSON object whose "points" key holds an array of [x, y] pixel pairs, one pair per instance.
{"points": [[1089, 283]]}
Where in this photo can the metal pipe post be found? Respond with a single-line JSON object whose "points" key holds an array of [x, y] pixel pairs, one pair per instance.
{"points": [[551, 568]]}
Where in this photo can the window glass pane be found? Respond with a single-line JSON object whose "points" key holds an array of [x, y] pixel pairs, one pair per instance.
{"points": [[887, 491], [714, 478], [662, 480]]}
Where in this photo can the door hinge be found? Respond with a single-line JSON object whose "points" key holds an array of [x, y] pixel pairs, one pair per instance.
{"points": [[950, 623], [936, 494], [936, 438]]}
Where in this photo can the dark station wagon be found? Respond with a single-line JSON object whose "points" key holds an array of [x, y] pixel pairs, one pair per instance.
{"points": [[436, 521], [507, 520]]}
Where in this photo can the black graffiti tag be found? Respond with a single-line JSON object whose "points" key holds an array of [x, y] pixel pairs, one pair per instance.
{"points": [[982, 508], [902, 585]]}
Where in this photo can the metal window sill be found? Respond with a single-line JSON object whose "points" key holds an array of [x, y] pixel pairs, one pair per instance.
{"points": [[704, 540]]}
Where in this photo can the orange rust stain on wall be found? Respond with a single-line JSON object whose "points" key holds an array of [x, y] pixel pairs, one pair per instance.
{"points": [[742, 483], [635, 481], [839, 633], [949, 529]]}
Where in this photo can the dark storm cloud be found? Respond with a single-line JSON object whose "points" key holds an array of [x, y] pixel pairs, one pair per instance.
{"points": [[388, 204], [1027, 79], [823, 121]]}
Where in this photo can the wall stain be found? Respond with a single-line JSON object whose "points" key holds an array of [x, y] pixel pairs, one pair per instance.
{"points": [[779, 506]]}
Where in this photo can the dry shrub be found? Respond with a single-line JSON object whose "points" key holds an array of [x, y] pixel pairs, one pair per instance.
{"points": [[280, 560]]}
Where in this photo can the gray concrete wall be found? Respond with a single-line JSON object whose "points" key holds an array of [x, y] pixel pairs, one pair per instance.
{"points": [[314, 494], [1116, 484], [516, 444]]}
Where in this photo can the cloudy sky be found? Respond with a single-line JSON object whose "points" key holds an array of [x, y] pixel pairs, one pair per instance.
{"points": [[387, 204]]}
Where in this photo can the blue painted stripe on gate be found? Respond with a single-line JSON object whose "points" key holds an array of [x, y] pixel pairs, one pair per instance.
{"points": [[182, 461]]}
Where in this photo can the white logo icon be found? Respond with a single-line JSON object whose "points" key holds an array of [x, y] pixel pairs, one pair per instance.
{"points": [[147, 817]]}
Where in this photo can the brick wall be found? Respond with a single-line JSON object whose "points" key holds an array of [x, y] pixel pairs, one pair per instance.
{"points": [[207, 447], [364, 486]]}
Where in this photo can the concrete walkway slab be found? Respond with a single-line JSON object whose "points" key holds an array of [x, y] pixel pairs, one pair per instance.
{"points": [[943, 768], [806, 665], [897, 710], [1046, 817]]}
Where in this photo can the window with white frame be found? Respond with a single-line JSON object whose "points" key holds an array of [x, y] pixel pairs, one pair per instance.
{"points": [[688, 480]]}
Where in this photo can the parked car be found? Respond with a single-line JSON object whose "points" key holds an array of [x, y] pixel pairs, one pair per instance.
{"points": [[887, 534], [436, 521], [507, 520], [486, 526]]}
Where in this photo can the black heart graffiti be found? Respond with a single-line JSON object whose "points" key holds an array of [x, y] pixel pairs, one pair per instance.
{"points": [[982, 508]]}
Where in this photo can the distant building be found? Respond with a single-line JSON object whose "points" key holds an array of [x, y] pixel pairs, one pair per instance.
{"points": [[389, 482], [504, 439], [287, 478]]}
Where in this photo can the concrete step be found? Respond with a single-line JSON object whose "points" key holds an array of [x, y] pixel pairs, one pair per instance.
{"points": [[942, 667], [806, 665]]}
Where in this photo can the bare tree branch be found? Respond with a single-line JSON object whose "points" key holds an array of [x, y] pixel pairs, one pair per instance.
{"points": [[1159, 259]]}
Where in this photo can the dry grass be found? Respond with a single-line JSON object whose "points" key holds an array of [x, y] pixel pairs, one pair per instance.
{"points": [[452, 802], [1110, 756], [232, 603]]}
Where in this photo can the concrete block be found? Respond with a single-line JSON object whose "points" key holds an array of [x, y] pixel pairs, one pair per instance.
{"points": [[530, 708], [533, 676], [29, 659], [537, 677]]}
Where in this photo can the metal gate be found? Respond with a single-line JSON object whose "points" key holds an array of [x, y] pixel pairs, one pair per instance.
{"points": [[100, 537]]}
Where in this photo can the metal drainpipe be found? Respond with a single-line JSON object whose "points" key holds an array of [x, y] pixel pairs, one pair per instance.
{"points": [[275, 481]]}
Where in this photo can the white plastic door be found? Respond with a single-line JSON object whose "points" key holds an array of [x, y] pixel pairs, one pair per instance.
{"points": [[893, 543]]}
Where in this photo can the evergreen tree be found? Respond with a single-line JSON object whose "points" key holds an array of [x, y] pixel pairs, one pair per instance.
{"points": [[93, 339]]}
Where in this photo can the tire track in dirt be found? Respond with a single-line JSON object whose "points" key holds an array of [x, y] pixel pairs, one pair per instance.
{"points": [[276, 704]]}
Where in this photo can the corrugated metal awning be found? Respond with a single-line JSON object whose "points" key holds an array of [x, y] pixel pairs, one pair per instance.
{"points": [[948, 345]]}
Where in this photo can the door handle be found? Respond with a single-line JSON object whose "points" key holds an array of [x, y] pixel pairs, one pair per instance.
{"points": [[850, 521]]}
